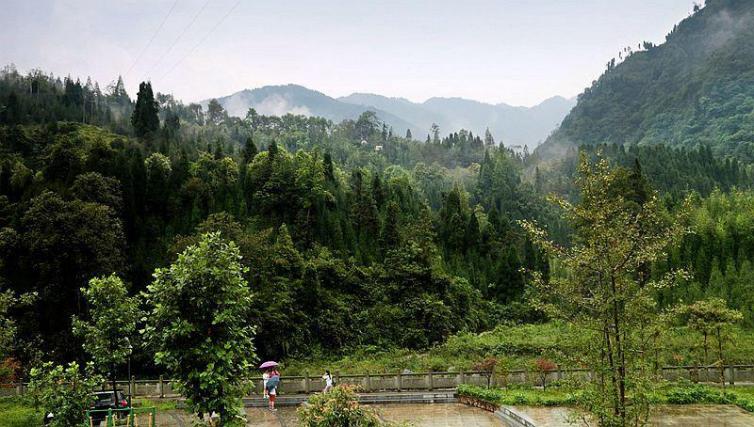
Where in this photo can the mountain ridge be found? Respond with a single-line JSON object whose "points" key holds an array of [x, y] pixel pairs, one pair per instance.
{"points": [[695, 89], [514, 125]]}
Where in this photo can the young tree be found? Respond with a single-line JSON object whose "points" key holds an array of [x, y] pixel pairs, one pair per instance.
{"points": [[144, 118], [711, 317], [64, 391], [111, 326], [198, 325], [601, 291]]}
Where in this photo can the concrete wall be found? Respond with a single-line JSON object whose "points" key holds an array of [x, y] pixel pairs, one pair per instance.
{"points": [[368, 383]]}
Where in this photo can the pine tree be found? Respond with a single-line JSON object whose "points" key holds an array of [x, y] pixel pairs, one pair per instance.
{"points": [[408, 135], [249, 151], [329, 173], [144, 118]]}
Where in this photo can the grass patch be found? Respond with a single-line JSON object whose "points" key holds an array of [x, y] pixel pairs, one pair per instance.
{"points": [[161, 405], [14, 412], [521, 396], [676, 394], [514, 346]]}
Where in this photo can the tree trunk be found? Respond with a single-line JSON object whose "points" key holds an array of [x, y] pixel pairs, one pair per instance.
{"points": [[720, 357], [620, 355], [115, 388]]}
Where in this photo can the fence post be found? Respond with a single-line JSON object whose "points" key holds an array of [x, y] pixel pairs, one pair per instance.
{"points": [[132, 386], [431, 380], [732, 374], [306, 382], [161, 388], [369, 383], [461, 377]]}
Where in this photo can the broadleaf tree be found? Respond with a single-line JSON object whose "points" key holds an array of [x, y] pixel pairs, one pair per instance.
{"points": [[197, 325], [111, 325], [601, 290], [64, 392]]}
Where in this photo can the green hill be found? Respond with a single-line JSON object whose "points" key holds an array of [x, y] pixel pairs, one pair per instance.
{"points": [[697, 88]]}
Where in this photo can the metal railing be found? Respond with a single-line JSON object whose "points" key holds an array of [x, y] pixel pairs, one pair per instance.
{"points": [[112, 417]]}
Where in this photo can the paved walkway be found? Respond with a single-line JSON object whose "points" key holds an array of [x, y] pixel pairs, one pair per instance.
{"points": [[418, 415], [664, 416]]}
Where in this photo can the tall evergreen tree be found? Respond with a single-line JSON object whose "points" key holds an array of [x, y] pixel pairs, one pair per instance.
{"points": [[144, 118]]}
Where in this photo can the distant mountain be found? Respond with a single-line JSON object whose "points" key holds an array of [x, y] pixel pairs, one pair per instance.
{"points": [[295, 99], [513, 125], [695, 89]]}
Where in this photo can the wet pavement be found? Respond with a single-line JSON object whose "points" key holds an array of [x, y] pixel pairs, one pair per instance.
{"points": [[418, 415], [702, 416], [438, 414], [664, 416], [546, 416], [457, 415]]}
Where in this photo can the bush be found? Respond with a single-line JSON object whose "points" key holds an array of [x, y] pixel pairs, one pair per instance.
{"points": [[527, 397], [337, 408], [698, 394], [64, 391]]}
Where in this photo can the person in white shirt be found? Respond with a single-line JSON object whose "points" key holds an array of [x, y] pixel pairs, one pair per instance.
{"points": [[265, 377], [328, 381]]}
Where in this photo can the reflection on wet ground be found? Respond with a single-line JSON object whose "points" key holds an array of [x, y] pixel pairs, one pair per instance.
{"points": [[456, 415], [664, 416], [703, 416], [418, 415], [438, 414]]}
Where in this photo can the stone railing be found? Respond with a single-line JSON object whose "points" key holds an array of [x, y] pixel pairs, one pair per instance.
{"points": [[369, 383]]}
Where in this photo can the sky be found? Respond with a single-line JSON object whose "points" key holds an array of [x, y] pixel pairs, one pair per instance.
{"points": [[515, 51]]}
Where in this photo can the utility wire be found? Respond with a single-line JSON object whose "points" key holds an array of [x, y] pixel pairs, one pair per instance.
{"points": [[144, 49], [206, 36], [180, 36]]}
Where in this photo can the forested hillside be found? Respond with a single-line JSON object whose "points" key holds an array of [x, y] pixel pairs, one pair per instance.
{"points": [[695, 89], [354, 237]]}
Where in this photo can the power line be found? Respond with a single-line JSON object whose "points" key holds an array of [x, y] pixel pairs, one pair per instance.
{"points": [[180, 36], [202, 40], [138, 57]]}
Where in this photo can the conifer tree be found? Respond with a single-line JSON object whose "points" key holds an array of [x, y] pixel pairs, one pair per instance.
{"points": [[144, 118]]}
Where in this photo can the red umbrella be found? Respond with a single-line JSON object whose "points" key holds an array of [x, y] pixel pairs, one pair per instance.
{"points": [[268, 364]]}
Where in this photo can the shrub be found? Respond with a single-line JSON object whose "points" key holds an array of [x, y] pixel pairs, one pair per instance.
{"points": [[337, 408], [699, 394], [542, 367], [63, 390], [9, 369]]}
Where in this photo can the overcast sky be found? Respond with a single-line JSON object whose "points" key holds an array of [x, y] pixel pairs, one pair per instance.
{"points": [[514, 51]]}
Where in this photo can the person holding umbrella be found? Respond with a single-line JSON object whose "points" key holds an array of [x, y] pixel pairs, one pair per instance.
{"points": [[272, 382]]}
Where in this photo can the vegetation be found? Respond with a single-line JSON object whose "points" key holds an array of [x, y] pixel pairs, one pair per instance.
{"points": [[695, 89], [17, 413], [516, 347], [197, 325], [346, 246], [111, 326], [619, 231], [339, 407], [676, 394], [64, 391]]}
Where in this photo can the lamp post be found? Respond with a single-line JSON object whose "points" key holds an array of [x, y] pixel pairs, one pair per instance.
{"points": [[130, 351]]}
